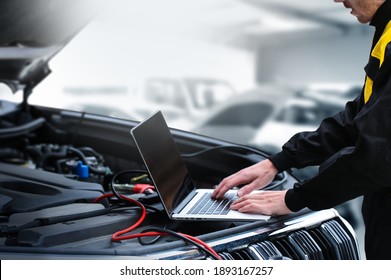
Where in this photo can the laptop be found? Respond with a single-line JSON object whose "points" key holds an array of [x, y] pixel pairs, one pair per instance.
{"points": [[181, 199]]}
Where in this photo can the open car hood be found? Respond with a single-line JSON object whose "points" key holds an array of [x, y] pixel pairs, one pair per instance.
{"points": [[32, 32]]}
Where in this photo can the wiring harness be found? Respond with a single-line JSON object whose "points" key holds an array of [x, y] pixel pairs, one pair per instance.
{"points": [[138, 181], [154, 232]]}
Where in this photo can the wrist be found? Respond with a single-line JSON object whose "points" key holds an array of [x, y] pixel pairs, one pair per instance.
{"points": [[270, 166]]}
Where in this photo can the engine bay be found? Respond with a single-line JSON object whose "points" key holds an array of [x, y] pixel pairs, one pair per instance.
{"points": [[74, 186]]}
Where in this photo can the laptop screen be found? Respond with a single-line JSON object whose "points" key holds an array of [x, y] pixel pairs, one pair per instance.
{"points": [[163, 160]]}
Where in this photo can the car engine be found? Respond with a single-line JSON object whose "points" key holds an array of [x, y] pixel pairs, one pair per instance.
{"points": [[74, 186]]}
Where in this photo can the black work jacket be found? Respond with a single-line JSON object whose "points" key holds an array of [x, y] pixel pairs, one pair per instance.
{"points": [[353, 148]]}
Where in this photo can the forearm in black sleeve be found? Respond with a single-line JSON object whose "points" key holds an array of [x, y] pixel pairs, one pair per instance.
{"points": [[362, 168]]}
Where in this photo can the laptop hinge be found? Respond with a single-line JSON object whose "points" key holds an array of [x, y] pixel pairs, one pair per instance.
{"points": [[184, 202]]}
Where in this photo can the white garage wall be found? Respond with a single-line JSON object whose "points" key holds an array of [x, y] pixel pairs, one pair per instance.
{"points": [[311, 58]]}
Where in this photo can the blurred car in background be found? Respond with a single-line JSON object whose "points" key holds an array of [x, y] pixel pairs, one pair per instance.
{"points": [[331, 94], [182, 101], [239, 119], [296, 115], [266, 117]]}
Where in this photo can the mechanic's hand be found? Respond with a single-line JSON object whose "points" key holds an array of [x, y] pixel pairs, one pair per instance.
{"points": [[254, 177], [268, 203]]}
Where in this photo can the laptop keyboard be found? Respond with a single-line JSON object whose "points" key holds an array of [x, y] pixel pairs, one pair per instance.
{"points": [[208, 206]]}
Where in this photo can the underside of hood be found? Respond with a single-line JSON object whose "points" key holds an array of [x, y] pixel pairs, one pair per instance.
{"points": [[32, 32]]}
